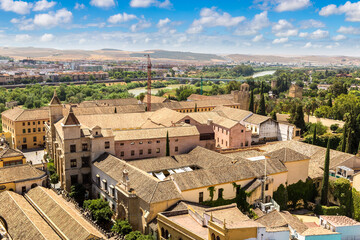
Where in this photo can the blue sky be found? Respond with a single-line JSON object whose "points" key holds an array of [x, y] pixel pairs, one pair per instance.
{"points": [[283, 27]]}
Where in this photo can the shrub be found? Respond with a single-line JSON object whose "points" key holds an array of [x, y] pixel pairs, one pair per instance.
{"points": [[54, 178], [333, 210], [334, 127], [136, 235], [78, 193], [281, 197], [122, 227], [100, 209]]}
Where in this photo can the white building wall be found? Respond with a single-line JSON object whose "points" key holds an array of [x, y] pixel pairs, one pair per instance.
{"points": [[262, 234], [285, 132]]}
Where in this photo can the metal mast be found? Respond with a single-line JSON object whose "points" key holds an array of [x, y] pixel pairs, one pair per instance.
{"points": [[148, 83]]}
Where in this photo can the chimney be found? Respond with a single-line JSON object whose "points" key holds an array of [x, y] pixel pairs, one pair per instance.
{"points": [[209, 121], [126, 180]]}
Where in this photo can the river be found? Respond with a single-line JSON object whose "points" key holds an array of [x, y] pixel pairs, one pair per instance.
{"points": [[137, 91], [263, 73]]}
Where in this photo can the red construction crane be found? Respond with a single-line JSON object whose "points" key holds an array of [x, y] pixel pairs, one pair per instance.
{"points": [[148, 83]]}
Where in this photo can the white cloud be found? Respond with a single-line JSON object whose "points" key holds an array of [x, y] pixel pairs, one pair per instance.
{"points": [[291, 5], [24, 24], [311, 23], [258, 38], [310, 45], [280, 40], [349, 30], [319, 34], [47, 37], [252, 27], [149, 3], [22, 37], [79, 6], [339, 37], [351, 11], [163, 22], [284, 28], [53, 19], [102, 3], [19, 7], [43, 5], [142, 24], [120, 18], [303, 34], [209, 17]]}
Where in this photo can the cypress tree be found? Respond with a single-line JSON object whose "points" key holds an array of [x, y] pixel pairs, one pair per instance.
{"points": [[167, 144], [325, 181], [348, 148], [273, 115], [299, 118], [343, 143], [251, 104], [329, 103], [195, 109], [314, 137], [261, 109]]}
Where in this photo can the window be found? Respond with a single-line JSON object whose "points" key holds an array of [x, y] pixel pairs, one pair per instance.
{"points": [[140, 142], [176, 149], [220, 193], [158, 150], [84, 146], [187, 121], [33, 123], [222, 141], [122, 153], [29, 130], [34, 139], [105, 184], [201, 197], [132, 152], [43, 138], [176, 140], [73, 163], [266, 187], [242, 130], [73, 148], [226, 143], [24, 130], [74, 179], [43, 122], [24, 140], [112, 191], [149, 151], [23, 189], [107, 145], [34, 129], [98, 180], [38, 122], [28, 123], [85, 161], [86, 178], [23, 124], [132, 143], [39, 129], [157, 141], [149, 142], [121, 144], [44, 129], [141, 152]]}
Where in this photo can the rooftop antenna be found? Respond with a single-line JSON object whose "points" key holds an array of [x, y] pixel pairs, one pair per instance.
{"points": [[148, 83]]}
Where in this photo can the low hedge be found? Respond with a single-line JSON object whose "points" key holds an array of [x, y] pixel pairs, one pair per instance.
{"points": [[333, 210]]}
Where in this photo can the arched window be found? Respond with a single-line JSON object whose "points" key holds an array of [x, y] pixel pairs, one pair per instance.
{"points": [[33, 185], [166, 234], [162, 232], [212, 236], [217, 238]]}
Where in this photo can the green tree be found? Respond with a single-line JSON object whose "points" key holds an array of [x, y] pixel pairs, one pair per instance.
{"points": [[195, 109], [329, 103], [77, 192], [299, 118], [342, 191], [122, 227], [325, 180], [99, 209], [141, 97], [54, 178], [314, 136], [262, 108], [281, 197], [251, 103], [273, 115], [343, 140], [167, 144], [137, 235]]}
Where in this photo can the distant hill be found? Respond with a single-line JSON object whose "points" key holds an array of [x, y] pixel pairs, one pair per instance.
{"points": [[179, 55]]}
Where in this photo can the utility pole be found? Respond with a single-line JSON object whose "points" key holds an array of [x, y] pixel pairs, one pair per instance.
{"points": [[148, 83]]}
